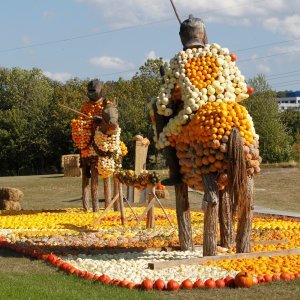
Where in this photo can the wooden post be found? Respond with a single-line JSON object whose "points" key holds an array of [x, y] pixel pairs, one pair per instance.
{"points": [[94, 187], [141, 150], [107, 191], [226, 221], [151, 213], [211, 196], [116, 191], [121, 203], [243, 234], [183, 216]]}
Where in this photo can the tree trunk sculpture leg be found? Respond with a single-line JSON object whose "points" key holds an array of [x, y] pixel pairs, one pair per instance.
{"points": [[85, 191], [116, 191], [183, 216], [107, 191], [94, 187], [211, 196], [226, 221], [243, 236]]}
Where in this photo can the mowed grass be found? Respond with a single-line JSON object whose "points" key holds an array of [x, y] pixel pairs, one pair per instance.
{"points": [[25, 278], [275, 189]]}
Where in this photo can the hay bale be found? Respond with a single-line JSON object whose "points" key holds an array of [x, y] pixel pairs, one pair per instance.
{"points": [[10, 205], [10, 198], [11, 194], [71, 165]]}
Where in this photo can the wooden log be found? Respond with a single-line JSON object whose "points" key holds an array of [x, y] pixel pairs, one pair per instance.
{"points": [[150, 223], [200, 260], [211, 196], [116, 191], [163, 209], [85, 191], [150, 204], [121, 203], [183, 216], [244, 226], [106, 210], [107, 190], [226, 221], [94, 187], [141, 150]]}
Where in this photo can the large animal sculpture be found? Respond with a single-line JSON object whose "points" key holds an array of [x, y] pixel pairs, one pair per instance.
{"points": [[208, 137]]}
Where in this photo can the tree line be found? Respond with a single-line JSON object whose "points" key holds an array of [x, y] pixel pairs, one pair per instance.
{"points": [[35, 131]]}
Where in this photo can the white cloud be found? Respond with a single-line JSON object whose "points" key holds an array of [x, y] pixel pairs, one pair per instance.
{"points": [[120, 13], [108, 62], [263, 68], [151, 55], [25, 40], [58, 76], [289, 25]]}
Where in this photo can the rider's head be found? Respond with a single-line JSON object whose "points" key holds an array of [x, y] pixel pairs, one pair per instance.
{"points": [[94, 90], [192, 33]]}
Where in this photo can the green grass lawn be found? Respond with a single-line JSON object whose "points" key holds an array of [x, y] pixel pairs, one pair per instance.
{"points": [[25, 278]]}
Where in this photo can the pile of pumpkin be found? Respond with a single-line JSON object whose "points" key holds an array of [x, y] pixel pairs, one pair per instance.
{"points": [[83, 128], [200, 95], [203, 143], [140, 181], [241, 280], [93, 143]]}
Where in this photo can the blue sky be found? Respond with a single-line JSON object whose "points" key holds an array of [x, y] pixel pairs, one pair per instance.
{"points": [[112, 39]]}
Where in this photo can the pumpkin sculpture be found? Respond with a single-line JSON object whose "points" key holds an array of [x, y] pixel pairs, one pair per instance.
{"points": [[211, 87], [198, 113], [96, 134]]}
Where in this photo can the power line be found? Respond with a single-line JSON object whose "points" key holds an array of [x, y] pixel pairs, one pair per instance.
{"points": [[268, 56], [285, 76], [283, 73], [267, 45], [111, 31], [287, 83]]}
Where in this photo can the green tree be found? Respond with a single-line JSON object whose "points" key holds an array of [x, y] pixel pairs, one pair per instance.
{"points": [[71, 94], [274, 141], [291, 118], [24, 104], [133, 97]]}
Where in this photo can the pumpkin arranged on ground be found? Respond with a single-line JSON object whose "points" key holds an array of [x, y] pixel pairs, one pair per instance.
{"points": [[243, 280]]}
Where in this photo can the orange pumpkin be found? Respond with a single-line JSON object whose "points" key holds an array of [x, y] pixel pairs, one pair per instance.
{"points": [[243, 280], [187, 284]]}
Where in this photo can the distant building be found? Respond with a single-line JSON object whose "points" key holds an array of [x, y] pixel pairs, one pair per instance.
{"points": [[291, 101]]}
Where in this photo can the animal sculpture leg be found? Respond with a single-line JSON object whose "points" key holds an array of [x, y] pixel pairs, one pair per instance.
{"points": [[85, 191], [94, 187]]}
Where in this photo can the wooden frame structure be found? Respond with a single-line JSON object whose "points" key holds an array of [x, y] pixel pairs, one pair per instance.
{"points": [[119, 199]]}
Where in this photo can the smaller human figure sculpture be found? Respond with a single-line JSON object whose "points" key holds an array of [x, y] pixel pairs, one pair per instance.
{"points": [[84, 127]]}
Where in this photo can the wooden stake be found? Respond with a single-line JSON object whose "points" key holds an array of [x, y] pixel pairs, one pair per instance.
{"points": [[150, 223], [116, 191], [106, 209], [150, 204], [121, 203], [163, 209]]}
